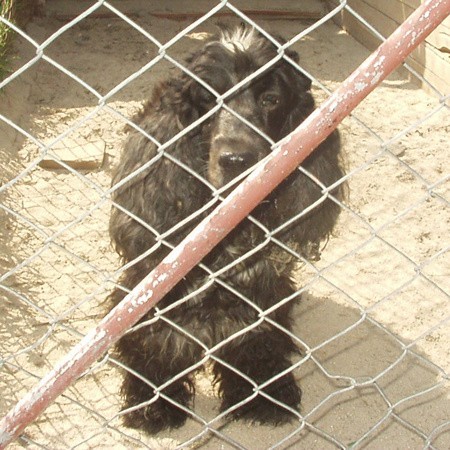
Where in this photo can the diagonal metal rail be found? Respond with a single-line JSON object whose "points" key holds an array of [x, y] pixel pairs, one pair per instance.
{"points": [[289, 153]]}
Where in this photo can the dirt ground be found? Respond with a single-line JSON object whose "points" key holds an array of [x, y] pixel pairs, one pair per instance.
{"points": [[375, 313]]}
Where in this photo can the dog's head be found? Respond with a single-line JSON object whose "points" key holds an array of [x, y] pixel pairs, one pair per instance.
{"points": [[275, 101]]}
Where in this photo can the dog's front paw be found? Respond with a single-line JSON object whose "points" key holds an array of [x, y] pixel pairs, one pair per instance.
{"points": [[263, 410], [155, 417]]}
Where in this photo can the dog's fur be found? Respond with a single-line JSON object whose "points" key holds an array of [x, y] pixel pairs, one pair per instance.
{"points": [[165, 193]]}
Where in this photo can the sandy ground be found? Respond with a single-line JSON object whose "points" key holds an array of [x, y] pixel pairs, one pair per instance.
{"points": [[375, 311]]}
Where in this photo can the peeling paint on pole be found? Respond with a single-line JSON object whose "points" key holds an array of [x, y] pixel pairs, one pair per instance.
{"points": [[285, 158]]}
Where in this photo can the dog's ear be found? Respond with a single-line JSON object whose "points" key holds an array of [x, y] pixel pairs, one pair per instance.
{"points": [[292, 54], [288, 52], [301, 101], [195, 95], [302, 82], [198, 96], [160, 196]]}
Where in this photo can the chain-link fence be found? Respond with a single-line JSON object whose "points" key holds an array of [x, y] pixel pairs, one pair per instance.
{"points": [[370, 315]]}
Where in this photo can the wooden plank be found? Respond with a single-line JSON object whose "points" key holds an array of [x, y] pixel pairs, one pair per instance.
{"points": [[307, 9], [380, 21], [437, 72], [398, 11], [85, 156], [431, 59], [414, 4], [393, 9], [440, 38]]}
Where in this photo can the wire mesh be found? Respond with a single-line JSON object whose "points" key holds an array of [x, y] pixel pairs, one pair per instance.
{"points": [[373, 320]]}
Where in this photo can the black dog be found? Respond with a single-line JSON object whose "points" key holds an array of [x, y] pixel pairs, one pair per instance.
{"points": [[178, 180]]}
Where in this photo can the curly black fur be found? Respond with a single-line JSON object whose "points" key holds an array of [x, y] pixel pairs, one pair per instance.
{"points": [[165, 193]]}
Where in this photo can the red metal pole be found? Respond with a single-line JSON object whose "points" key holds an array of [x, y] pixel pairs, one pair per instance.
{"points": [[291, 152]]}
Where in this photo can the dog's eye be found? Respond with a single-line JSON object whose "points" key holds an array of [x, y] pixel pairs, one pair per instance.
{"points": [[269, 100]]}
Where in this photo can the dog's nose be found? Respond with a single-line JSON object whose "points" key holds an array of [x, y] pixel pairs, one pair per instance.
{"points": [[237, 161]]}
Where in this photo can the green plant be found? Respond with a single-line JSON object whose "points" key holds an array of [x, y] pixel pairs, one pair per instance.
{"points": [[6, 10]]}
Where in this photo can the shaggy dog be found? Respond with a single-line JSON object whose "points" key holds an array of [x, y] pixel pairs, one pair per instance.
{"points": [[252, 368]]}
